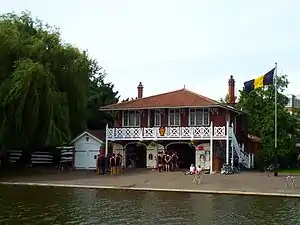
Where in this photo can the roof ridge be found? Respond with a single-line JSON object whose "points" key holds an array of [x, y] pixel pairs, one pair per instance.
{"points": [[201, 96], [138, 99]]}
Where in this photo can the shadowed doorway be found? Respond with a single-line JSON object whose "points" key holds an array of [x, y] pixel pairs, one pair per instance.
{"points": [[186, 153], [136, 155]]}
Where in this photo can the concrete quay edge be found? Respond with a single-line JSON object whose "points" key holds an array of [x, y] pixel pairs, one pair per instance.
{"points": [[223, 192]]}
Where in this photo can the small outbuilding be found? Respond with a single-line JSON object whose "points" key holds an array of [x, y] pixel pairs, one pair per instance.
{"points": [[87, 146]]}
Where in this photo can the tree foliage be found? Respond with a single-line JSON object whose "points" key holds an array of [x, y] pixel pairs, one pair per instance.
{"points": [[259, 105], [100, 93], [225, 99], [44, 84]]}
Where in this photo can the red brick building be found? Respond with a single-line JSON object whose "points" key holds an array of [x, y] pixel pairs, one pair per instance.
{"points": [[202, 130]]}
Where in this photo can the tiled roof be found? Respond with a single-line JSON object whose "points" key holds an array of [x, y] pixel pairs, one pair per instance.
{"points": [[97, 134], [179, 98]]}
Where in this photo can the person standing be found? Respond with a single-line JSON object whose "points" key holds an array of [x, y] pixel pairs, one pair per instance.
{"points": [[173, 161], [155, 166], [159, 161], [112, 163], [118, 163], [102, 163], [167, 162], [98, 164], [106, 165]]}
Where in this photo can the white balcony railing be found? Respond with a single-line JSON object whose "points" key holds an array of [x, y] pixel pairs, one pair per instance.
{"points": [[167, 133]]}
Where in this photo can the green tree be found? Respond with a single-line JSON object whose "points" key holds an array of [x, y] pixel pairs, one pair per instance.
{"points": [[259, 105], [44, 84], [225, 99], [100, 94]]}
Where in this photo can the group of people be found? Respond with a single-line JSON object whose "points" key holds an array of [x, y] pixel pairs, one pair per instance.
{"points": [[166, 161], [109, 163]]}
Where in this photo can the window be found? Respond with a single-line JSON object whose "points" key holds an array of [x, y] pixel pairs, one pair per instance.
{"points": [[157, 118], [131, 119], [174, 117], [199, 117]]}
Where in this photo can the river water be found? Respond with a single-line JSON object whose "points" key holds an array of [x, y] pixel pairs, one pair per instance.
{"points": [[48, 205]]}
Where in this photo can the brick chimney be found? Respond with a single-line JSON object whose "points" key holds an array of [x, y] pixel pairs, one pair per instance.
{"points": [[140, 90], [231, 91]]}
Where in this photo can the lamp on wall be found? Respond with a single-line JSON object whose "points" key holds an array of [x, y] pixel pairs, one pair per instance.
{"points": [[87, 138]]}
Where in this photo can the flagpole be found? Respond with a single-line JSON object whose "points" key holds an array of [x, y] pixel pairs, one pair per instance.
{"points": [[275, 85], [275, 120]]}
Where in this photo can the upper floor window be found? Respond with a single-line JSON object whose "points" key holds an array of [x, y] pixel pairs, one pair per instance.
{"points": [[199, 117], [157, 118], [131, 119], [174, 117]]}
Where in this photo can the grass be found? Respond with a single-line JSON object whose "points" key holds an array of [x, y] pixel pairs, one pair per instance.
{"points": [[290, 171]]}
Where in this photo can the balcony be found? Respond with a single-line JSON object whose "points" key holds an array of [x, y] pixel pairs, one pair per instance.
{"points": [[167, 133]]}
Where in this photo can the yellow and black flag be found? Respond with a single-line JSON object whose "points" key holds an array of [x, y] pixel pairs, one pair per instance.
{"points": [[261, 81]]}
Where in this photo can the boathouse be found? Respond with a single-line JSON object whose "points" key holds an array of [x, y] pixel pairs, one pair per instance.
{"points": [[87, 146], [201, 130]]}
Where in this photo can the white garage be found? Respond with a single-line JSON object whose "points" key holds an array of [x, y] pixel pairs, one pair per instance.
{"points": [[87, 147]]}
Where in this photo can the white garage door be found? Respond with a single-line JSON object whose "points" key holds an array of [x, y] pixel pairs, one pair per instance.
{"points": [[85, 159]]}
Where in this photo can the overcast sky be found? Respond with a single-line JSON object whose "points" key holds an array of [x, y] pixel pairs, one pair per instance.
{"points": [[167, 44]]}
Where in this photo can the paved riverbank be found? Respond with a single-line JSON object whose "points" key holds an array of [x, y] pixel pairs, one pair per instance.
{"points": [[247, 183]]}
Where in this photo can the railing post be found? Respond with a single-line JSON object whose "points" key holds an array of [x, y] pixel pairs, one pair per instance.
{"points": [[141, 133], [227, 142], [192, 133], [249, 160], [113, 134], [211, 148], [180, 130]]}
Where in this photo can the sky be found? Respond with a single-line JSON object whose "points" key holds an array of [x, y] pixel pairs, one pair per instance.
{"points": [[169, 44]]}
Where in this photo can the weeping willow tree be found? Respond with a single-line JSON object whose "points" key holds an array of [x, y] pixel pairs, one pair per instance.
{"points": [[43, 84]]}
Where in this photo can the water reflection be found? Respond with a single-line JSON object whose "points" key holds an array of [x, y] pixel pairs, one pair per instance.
{"points": [[41, 205]]}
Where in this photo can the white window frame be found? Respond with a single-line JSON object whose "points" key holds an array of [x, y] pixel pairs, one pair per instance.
{"points": [[157, 118], [137, 119], [176, 112], [203, 122]]}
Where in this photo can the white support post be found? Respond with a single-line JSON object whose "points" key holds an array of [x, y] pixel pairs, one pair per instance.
{"points": [[232, 155], [249, 160], [154, 130], [192, 132], [227, 142], [141, 133], [252, 160], [211, 148], [106, 140]]}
